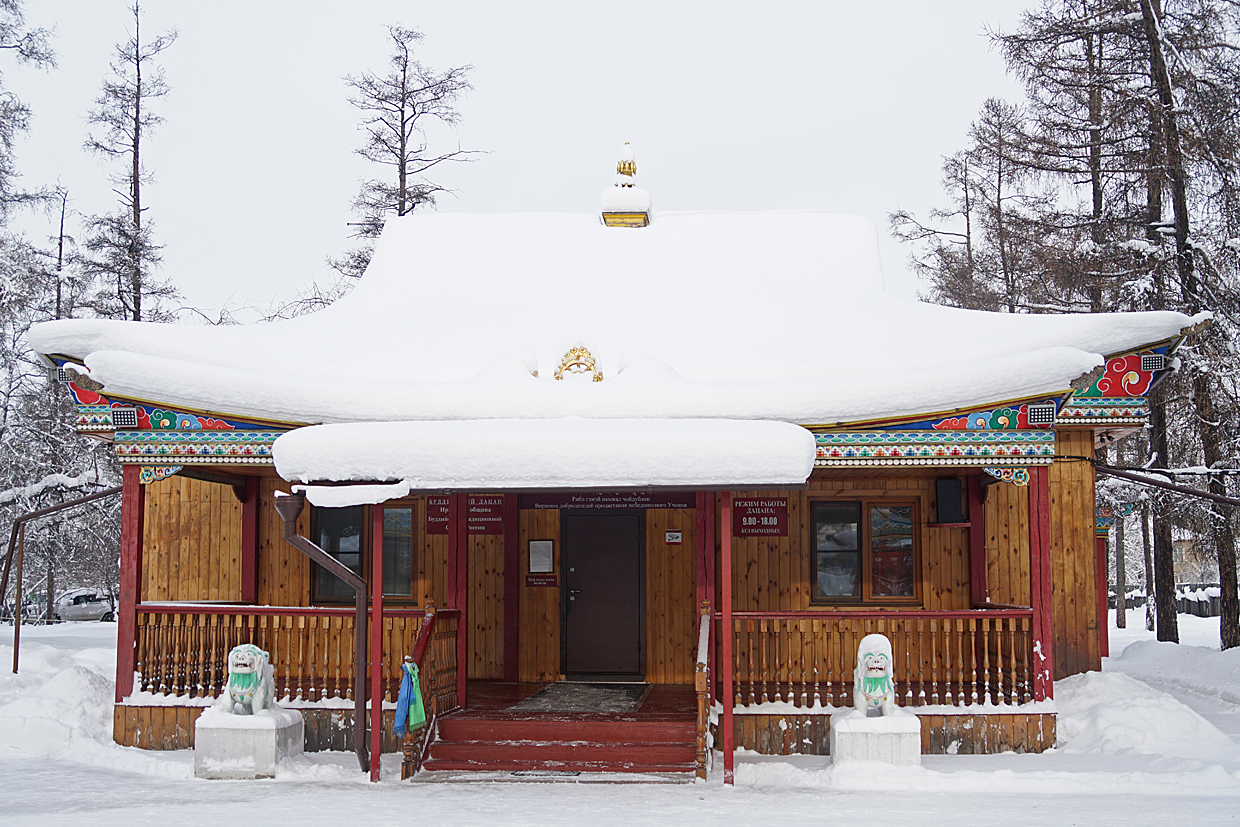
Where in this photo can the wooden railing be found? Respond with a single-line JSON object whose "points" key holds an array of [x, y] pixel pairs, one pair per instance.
{"points": [[435, 694], [701, 680], [957, 658], [182, 649]]}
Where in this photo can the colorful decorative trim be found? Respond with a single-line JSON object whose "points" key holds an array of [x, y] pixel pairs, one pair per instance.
{"points": [[1032, 415], [1016, 476], [1128, 375], [93, 418], [1105, 516], [155, 473], [1104, 410], [200, 447], [990, 448]]}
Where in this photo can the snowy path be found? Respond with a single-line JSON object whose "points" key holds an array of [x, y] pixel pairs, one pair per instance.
{"points": [[1195, 673], [1132, 754]]}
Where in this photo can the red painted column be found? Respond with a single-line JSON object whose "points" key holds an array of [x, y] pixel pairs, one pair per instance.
{"points": [[512, 589], [376, 640], [979, 589], [699, 549], [249, 542], [729, 735], [133, 507], [460, 552], [1100, 560], [1040, 584]]}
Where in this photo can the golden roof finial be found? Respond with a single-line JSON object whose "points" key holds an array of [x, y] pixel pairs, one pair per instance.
{"points": [[626, 165]]}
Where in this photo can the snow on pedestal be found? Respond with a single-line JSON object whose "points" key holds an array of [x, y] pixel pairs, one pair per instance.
{"points": [[246, 746], [890, 739]]}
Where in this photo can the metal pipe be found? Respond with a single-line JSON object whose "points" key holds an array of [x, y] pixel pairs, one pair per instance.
{"points": [[42, 512], [17, 609], [290, 508], [1141, 478]]}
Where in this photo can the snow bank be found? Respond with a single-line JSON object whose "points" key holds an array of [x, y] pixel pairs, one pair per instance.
{"points": [[1105, 712]]}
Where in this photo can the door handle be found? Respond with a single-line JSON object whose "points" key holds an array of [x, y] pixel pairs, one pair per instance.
{"points": [[572, 593]]}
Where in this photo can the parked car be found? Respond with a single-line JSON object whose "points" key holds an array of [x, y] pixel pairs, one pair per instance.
{"points": [[85, 604]]}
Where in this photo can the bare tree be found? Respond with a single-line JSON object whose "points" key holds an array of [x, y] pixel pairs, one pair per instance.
{"points": [[30, 46], [397, 107], [122, 252]]}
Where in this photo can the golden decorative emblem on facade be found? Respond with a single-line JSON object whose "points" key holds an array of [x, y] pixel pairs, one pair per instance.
{"points": [[578, 360]]}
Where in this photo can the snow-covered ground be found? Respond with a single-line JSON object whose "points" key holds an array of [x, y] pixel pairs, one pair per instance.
{"points": [[1154, 738]]}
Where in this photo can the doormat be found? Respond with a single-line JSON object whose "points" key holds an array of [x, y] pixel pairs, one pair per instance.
{"points": [[574, 696]]}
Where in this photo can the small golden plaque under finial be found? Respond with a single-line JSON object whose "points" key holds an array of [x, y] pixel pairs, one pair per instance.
{"points": [[578, 360]]}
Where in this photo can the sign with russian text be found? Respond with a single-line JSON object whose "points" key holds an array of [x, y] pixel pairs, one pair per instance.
{"points": [[438, 512], [760, 518], [533, 581], [619, 499], [485, 514]]}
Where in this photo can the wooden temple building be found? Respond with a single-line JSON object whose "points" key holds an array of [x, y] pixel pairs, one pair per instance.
{"points": [[706, 452]]}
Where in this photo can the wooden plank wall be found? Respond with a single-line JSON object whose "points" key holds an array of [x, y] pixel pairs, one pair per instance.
{"points": [[539, 641], [283, 571], [191, 541], [773, 573], [1007, 544], [671, 618], [940, 734], [670, 614], [486, 606], [1073, 573]]}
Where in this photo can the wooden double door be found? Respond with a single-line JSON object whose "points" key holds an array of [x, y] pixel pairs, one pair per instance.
{"points": [[603, 613]]}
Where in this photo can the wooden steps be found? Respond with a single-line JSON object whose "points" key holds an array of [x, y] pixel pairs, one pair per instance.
{"points": [[514, 744]]}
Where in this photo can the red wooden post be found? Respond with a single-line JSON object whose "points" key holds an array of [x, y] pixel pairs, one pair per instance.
{"points": [[512, 589], [1100, 560], [458, 528], [729, 736], [979, 589], [1040, 583], [249, 542], [699, 548], [376, 640], [133, 506]]}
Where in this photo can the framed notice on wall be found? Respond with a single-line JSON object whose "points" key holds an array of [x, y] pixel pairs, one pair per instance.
{"points": [[542, 556], [767, 517]]}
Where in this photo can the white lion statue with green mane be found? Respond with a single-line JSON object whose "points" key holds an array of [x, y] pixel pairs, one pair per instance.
{"points": [[874, 685], [251, 683]]}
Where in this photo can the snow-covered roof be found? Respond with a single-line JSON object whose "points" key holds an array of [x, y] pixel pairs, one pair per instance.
{"points": [[548, 453], [779, 316]]}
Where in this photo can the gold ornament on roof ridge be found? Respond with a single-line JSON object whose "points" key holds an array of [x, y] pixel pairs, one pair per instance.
{"points": [[628, 168], [578, 360]]}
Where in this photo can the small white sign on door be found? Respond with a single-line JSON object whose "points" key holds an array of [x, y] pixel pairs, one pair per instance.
{"points": [[672, 538]]}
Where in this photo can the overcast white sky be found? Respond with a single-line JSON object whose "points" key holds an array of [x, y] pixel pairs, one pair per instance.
{"points": [[730, 105]]}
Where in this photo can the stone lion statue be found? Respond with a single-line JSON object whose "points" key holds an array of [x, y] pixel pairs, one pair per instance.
{"points": [[251, 683], [873, 680]]}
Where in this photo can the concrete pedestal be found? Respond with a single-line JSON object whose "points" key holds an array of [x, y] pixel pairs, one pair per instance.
{"points": [[246, 746], [891, 739]]}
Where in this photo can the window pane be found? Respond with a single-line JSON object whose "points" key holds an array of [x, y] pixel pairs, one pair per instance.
{"points": [[397, 552], [891, 541], [338, 531], [835, 526], [838, 574]]}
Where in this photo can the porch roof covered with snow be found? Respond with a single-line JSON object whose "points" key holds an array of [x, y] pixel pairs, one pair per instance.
{"points": [[511, 455], [770, 316]]}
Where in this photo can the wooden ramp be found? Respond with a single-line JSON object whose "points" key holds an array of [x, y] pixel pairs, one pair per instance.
{"points": [[657, 737]]}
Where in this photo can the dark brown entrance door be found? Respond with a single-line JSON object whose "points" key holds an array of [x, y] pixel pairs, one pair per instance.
{"points": [[603, 629]]}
